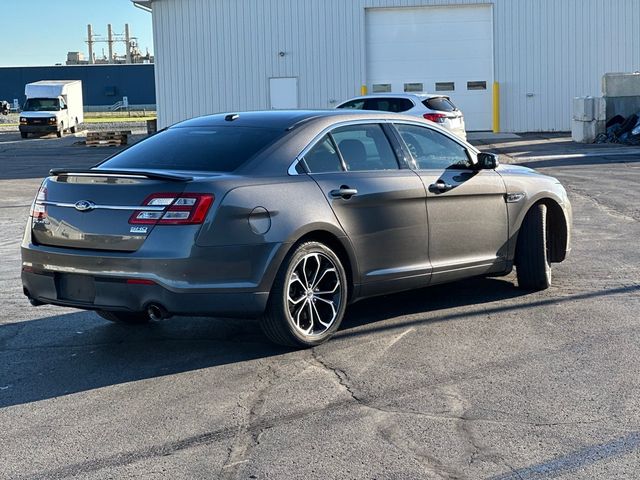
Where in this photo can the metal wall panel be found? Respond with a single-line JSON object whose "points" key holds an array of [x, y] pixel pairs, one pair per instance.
{"points": [[101, 84], [218, 55]]}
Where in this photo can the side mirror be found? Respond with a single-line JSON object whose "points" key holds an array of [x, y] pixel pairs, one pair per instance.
{"points": [[488, 161], [64, 107]]}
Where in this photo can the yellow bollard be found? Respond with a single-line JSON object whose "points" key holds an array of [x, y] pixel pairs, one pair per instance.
{"points": [[363, 90], [496, 107]]}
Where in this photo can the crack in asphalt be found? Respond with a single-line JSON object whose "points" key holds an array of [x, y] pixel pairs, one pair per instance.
{"points": [[245, 438]]}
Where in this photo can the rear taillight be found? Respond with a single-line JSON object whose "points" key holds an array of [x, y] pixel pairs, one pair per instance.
{"points": [[185, 209], [435, 117], [39, 210]]}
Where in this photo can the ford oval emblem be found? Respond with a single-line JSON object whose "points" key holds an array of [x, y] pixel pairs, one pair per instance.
{"points": [[84, 205]]}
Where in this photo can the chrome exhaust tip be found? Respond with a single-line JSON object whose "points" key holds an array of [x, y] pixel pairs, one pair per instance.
{"points": [[157, 312]]}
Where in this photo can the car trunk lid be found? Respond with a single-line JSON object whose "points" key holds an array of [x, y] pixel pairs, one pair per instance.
{"points": [[93, 209]]}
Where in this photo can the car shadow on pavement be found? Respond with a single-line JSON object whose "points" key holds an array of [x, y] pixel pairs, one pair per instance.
{"points": [[580, 161], [65, 354], [474, 291]]}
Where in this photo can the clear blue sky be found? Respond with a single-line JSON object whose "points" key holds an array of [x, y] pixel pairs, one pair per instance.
{"points": [[41, 32]]}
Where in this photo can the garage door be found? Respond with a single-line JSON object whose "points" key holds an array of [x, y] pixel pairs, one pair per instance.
{"points": [[446, 50]]}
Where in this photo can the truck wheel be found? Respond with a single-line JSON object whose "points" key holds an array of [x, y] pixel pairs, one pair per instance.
{"points": [[308, 298], [532, 260], [60, 131], [75, 127], [24, 134]]}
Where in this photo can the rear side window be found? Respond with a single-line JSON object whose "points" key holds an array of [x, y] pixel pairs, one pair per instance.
{"points": [[323, 157], [353, 104], [389, 104], [210, 149], [433, 150], [365, 147], [440, 103]]}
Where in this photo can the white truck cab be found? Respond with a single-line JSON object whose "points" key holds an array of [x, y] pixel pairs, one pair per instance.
{"points": [[52, 106]]}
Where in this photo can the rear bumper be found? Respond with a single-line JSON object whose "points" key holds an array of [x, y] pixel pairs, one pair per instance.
{"points": [[230, 281], [114, 294]]}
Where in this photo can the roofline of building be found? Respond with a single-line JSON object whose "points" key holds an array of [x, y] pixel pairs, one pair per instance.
{"points": [[142, 4]]}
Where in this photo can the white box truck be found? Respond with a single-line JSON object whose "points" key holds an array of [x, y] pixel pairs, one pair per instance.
{"points": [[52, 106]]}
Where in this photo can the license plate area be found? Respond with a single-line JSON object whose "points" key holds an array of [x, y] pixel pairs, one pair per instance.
{"points": [[76, 288]]}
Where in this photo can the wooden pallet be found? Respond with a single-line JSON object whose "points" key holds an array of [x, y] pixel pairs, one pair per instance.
{"points": [[107, 139]]}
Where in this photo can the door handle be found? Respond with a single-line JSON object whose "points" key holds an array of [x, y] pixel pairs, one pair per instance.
{"points": [[343, 192], [440, 186]]}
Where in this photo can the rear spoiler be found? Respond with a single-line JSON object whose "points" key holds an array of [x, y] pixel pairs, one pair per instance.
{"points": [[171, 177]]}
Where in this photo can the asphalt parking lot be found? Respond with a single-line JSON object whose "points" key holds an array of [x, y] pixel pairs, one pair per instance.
{"points": [[472, 380]]}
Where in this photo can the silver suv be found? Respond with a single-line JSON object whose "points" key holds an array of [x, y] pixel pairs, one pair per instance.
{"points": [[437, 108]]}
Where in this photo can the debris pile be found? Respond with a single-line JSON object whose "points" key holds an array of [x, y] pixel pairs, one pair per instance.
{"points": [[622, 130]]}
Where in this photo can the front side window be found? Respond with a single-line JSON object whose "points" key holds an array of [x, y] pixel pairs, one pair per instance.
{"points": [[323, 157], [433, 150], [365, 147]]}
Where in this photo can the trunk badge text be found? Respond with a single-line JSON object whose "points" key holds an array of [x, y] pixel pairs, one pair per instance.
{"points": [[84, 205], [138, 230]]}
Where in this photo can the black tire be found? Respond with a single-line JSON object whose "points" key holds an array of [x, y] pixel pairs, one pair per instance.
{"points": [[24, 134], [532, 259], [137, 318], [278, 322], [60, 132], [73, 129]]}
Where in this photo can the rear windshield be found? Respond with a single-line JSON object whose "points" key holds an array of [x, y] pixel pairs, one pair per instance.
{"points": [[440, 103], [210, 149]]}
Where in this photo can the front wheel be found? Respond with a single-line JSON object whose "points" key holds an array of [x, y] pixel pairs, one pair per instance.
{"points": [[532, 258], [308, 298], [60, 132]]}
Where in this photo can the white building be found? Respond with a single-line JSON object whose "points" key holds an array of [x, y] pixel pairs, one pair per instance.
{"points": [[234, 55]]}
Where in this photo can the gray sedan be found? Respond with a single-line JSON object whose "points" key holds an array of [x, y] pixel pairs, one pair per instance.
{"points": [[287, 217]]}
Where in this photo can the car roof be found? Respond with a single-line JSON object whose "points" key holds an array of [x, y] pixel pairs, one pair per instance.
{"points": [[286, 119], [412, 96]]}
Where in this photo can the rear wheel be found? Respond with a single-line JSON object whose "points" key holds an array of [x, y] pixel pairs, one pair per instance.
{"points": [[532, 258], [135, 318], [24, 134], [308, 299]]}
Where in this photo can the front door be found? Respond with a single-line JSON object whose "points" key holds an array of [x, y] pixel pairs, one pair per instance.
{"points": [[379, 206], [466, 208]]}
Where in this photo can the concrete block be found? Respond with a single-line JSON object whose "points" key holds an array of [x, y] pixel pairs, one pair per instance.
{"points": [[583, 109], [621, 84], [586, 132], [599, 109], [625, 106]]}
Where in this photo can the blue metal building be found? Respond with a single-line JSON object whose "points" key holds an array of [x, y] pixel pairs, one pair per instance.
{"points": [[102, 85]]}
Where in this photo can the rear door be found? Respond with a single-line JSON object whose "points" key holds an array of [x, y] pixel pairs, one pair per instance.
{"points": [[379, 205], [467, 212]]}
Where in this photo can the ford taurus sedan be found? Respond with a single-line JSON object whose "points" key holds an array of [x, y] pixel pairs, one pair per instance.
{"points": [[286, 217]]}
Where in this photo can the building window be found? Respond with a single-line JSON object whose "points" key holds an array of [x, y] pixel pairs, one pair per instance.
{"points": [[476, 85], [413, 87], [445, 86], [381, 88]]}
